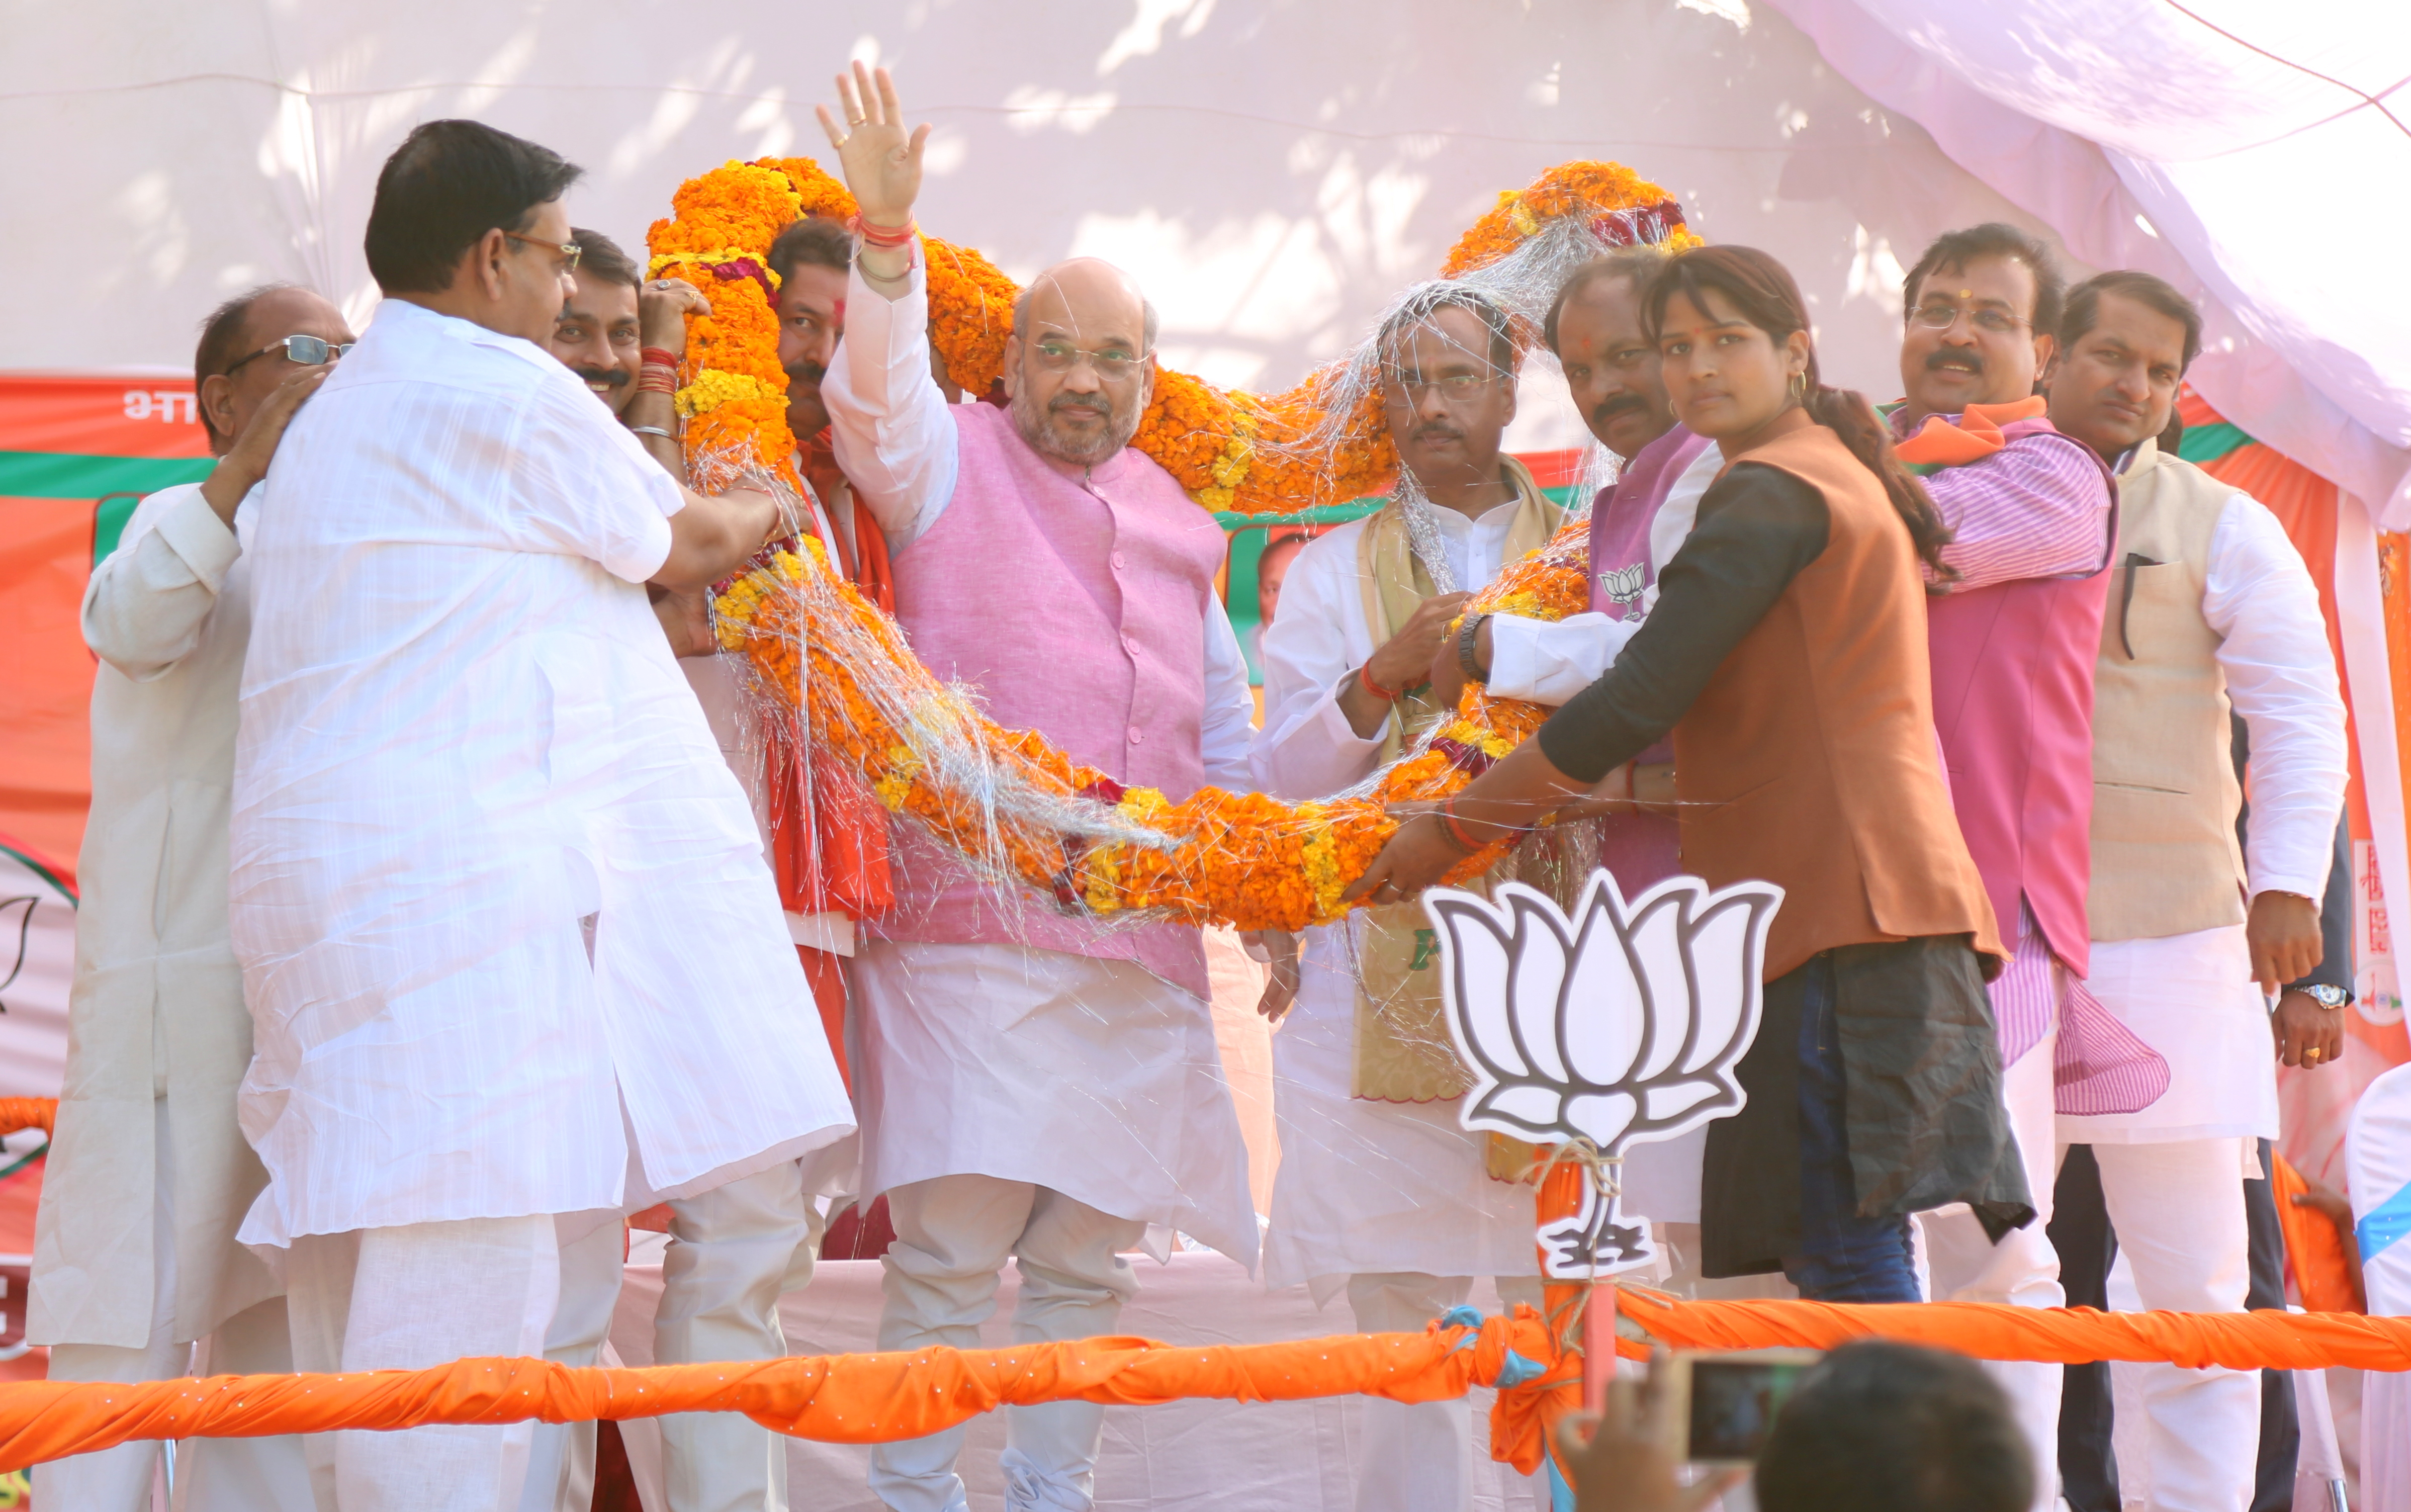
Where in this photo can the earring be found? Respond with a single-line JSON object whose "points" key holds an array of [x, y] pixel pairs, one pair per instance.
{"points": [[1800, 387]]}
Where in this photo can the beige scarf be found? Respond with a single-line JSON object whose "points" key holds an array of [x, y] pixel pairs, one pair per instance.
{"points": [[1403, 1053]]}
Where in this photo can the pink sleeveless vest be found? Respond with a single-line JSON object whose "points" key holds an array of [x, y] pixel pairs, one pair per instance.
{"points": [[1640, 848], [1076, 611], [2014, 706]]}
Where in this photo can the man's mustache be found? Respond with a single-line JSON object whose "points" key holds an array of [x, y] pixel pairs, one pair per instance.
{"points": [[1065, 404], [1966, 356], [811, 372], [1623, 403], [1437, 431], [615, 378]]}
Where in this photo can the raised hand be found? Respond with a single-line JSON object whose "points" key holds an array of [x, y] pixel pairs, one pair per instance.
{"points": [[881, 159], [661, 308]]}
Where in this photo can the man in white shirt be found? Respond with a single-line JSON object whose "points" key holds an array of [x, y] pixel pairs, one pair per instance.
{"points": [[1032, 1087], [135, 1262], [513, 959], [2209, 607], [1380, 1192]]}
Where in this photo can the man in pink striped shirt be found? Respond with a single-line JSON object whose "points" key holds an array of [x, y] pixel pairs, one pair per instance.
{"points": [[2014, 636]]}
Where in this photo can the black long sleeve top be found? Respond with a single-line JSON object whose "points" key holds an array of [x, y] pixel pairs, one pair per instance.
{"points": [[1758, 528]]}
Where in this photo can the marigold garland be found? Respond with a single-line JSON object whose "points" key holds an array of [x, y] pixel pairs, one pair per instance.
{"points": [[1240, 859], [1228, 448]]}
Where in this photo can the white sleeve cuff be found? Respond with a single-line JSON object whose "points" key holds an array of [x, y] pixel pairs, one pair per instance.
{"points": [[1548, 661], [193, 532]]}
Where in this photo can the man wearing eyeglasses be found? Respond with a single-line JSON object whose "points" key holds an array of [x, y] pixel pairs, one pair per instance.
{"points": [[1380, 1194], [514, 961], [1032, 1087], [134, 1254], [2014, 636]]}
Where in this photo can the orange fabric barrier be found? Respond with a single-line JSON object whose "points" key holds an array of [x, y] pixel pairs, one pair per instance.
{"points": [[2312, 1246], [844, 1399], [28, 1113], [873, 1399], [2062, 1335]]}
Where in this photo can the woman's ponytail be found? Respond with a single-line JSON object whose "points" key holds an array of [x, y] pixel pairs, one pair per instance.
{"points": [[1847, 413]]}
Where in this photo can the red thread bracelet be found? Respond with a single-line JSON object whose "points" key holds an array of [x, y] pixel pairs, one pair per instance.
{"points": [[659, 356], [1365, 675], [883, 236], [1456, 830]]}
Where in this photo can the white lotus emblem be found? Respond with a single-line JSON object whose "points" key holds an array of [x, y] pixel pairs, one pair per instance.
{"points": [[1620, 1025]]}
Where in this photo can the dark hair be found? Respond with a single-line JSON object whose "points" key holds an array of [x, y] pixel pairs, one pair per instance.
{"points": [[447, 186], [1994, 239], [2084, 307], [1885, 1427], [1424, 301], [816, 242], [1638, 263], [221, 347], [1762, 290], [602, 258]]}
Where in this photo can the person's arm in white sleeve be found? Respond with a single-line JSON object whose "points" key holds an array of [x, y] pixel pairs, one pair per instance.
{"points": [[894, 440], [2281, 675], [146, 606], [1549, 661], [1230, 724], [1316, 643]]}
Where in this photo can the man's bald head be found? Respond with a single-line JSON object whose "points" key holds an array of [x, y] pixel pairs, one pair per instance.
{"points": [[1079, 366]]}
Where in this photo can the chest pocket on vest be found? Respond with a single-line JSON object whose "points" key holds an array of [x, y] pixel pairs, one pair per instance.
{"points": [[2161, 619]]}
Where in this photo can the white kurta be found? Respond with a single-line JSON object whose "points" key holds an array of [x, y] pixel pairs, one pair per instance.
{"points": [[2191, 997], [1093, 1077], [1364, 1186], [463, 734], [157, 1010]]}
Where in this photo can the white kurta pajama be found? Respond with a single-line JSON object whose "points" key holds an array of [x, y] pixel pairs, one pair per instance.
{"points": [[462, 735], [2171, 1173], [134, 1251], [1040, 1104]]}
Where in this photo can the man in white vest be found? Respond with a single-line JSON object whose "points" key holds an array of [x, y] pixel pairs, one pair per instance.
{"points": [[1032, 1088], [133, 1255], [2209, 605]]}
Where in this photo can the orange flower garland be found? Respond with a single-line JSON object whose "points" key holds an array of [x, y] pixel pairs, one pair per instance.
{"points": [[1228, 448], [1033, 816]]}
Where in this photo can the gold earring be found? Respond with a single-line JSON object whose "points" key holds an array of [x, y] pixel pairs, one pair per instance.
{"points": [[1800, 387]]}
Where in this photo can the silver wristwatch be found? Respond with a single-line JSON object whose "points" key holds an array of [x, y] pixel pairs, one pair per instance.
{"points": [[2325, 996]]}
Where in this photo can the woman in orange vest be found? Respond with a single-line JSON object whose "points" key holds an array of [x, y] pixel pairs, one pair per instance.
{"points": [[1787, 654]]}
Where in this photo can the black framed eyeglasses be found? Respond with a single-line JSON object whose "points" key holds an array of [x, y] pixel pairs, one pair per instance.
{"points": [[570, 251], [307, 351]]}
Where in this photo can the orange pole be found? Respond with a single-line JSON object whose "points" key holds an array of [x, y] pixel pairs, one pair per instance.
{"points": [[1567, 1305]]}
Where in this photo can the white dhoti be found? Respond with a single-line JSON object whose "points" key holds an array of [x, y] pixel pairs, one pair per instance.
{"points": [[1047, 1107], [2173, 1181]]}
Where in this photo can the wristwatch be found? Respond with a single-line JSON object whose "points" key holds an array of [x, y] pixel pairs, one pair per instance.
{"points": [[2330, 998], [1465, 635]]}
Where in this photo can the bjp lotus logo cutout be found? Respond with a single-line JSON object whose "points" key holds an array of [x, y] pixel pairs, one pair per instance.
{"points": [[1620, 1025]]}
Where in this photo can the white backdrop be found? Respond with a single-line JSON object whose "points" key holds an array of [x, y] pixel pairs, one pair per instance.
{"points": [[1272, 169]]}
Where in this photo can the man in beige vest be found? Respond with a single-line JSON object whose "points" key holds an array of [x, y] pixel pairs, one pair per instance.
{"points": [[135, 1259], [2209, 607]]}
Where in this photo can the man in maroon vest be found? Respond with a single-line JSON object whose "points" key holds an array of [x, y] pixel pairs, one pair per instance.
{"points": [[2013, 640], [1032, 1087]]}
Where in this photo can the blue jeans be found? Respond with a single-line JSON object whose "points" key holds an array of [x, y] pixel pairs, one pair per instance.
{"points": [[1844, 1257]]}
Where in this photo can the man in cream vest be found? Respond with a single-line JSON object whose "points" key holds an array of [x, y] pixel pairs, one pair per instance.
{"points": [[1380, 1192], [135, 1259], [2209, 606], [1032, 1087]]}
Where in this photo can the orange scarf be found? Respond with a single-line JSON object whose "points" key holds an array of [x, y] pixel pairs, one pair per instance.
{"points": [[1978, 435]]}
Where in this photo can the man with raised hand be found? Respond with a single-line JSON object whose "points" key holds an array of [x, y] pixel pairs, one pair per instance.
{"points": [[1380, 1192], [1032, 1088], [2210, 608], [2011, 638], [513, 959], [135, 1259]]}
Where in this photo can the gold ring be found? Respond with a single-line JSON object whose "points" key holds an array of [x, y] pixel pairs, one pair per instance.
{"points": [[2311, 1054], [855, 120]]}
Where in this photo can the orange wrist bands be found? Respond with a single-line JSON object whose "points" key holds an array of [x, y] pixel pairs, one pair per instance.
{"points": [[1365, 675]]}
